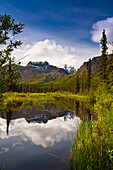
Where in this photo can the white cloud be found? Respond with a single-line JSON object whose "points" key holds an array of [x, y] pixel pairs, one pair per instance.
{"points": [[55, 54], [110, 48], [99, 26]]}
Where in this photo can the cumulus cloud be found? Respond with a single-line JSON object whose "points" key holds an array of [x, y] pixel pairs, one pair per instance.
{"points": [[55, 54], [99, 26], [47, 50]]}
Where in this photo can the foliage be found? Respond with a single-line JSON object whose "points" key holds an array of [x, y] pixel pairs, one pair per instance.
{"points": [[8, 29], [104, 98], [95, 135], [92, 148]]}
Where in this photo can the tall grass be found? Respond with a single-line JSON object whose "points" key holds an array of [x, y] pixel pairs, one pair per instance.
{"points": [[92, 148]]}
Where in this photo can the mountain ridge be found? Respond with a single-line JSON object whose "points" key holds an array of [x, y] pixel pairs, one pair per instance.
{"points": [[94, 65], [41, 70]]}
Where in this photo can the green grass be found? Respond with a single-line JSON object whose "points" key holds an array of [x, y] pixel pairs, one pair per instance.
{"points": [[17, 99], [92, 147], [23, 99]]}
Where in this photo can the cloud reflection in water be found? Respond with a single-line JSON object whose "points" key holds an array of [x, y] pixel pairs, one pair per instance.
{"points": [[44, 135]]}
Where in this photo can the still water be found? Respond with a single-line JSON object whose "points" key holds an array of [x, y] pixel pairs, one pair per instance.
{"points": [[37, 137]]}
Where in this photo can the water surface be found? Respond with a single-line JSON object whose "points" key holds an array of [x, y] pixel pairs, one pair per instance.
{"points": [[38, 137]]}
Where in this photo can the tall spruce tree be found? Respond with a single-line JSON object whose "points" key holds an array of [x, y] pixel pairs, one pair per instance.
{"points": [[103, 58]]}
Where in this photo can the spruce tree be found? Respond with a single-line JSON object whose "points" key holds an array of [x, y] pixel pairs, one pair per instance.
{"points": [[103, 58]]}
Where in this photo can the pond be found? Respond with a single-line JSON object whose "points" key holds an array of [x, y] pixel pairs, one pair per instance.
{"points": [[38, 137]]}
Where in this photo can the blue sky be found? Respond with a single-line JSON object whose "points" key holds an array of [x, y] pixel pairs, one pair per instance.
{"points": [[66, 22]]}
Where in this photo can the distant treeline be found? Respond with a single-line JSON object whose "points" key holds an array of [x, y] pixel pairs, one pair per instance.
{"points": [[76, 84]]}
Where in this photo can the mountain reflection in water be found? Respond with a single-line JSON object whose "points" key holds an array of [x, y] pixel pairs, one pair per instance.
{"points": [[37, 114], [29, 134], [40, 134]]}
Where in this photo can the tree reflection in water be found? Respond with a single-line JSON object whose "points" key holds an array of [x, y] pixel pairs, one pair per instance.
{"points": [[62, 107]]}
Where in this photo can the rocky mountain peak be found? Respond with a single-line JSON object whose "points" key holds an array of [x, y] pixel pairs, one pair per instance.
{"points": [[94, 65]]}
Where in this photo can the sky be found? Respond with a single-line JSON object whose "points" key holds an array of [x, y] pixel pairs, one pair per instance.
{"points": [[60, 31]]}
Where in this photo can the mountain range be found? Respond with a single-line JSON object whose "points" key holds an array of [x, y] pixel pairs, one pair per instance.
{"points": [[43, 72], [38, 72]]}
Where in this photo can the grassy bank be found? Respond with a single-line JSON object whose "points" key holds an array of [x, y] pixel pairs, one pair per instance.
{"points": [[92, 148], [35, 98]]}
